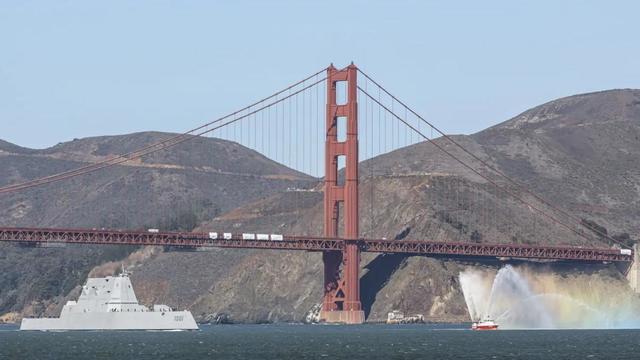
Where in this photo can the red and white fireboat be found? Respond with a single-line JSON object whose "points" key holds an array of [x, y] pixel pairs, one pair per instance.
{"points": [[485, 324]]}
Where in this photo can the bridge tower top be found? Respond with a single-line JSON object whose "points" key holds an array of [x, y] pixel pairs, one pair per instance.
{"points": [[341, 118]]}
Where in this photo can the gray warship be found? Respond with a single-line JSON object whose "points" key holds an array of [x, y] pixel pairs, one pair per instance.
{"points": [[110, 303]]}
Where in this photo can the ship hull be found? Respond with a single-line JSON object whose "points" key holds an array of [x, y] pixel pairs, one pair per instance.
{"points": [[482, 328], [151, 320]]}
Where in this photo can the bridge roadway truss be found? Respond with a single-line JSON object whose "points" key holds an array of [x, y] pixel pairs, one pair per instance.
{"points": [[34, 236]]}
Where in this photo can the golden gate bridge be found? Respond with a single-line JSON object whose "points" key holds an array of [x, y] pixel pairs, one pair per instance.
{"points": [[320, 122]]}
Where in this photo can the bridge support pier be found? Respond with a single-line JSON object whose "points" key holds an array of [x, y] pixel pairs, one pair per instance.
{"points": [[341, 302], [633, 274]]}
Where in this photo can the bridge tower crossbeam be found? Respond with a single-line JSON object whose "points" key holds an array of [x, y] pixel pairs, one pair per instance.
{"points": [[341, 302]]}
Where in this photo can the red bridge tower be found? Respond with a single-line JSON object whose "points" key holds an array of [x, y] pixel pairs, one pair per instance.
{"points": [[341, 301]]}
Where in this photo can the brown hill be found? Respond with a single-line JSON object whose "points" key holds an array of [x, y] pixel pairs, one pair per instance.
{"points": [[577, 151], [175, 189]]}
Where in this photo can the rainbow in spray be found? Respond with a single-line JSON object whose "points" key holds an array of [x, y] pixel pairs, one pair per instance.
{"points": [[529, 297]]}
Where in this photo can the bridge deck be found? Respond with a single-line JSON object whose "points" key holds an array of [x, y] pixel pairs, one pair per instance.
{"points": [[308, 243]]}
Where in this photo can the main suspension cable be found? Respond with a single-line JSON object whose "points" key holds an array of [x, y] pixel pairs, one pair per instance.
{"points": [[489, 166], [504, 189], [173, 141], [157, 146]]}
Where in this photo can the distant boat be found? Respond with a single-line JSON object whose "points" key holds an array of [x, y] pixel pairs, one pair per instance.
{"points": [[110, 304], [397, 317], [485, 324]]}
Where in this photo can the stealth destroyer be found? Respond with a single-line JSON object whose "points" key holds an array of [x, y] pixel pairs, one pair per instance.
{"points": [[110, 303]]}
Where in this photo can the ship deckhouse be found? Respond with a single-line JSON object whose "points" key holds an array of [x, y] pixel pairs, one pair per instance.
{"points": [[112, 293]]}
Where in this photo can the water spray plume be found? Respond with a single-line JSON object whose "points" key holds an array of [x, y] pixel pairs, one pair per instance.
{"points": [[533, 298]]}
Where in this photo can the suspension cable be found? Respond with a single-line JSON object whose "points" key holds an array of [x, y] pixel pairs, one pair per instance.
{"points": [[157, 146], [441, 148], [173, 141], [492, 168]]}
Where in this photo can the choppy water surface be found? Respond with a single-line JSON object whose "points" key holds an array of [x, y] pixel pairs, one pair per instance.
{"points": [[323, 341]]}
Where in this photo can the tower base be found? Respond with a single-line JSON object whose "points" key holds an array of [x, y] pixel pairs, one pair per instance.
{"points": [[350, 317]]}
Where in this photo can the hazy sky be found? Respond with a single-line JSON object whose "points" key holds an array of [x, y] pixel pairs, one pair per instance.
{"points": [[81, 68]]}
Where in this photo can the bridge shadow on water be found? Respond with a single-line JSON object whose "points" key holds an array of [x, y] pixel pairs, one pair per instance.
{"points": [[379, 272]]}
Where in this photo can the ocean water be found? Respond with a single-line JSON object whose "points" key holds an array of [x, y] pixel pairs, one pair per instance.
{"points": [[323, 341]]}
